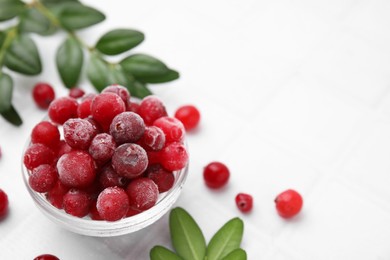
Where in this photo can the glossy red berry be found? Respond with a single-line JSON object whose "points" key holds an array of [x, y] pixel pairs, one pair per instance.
{"points": [[3, 204], [45, 133], [150, 109], [76, 203], [129, 160], [216, 175], [244, 202], [84, 108], [76, 92], [112, 203], [37, 154], [288, 203], [173, 129], [62, 109], [56, 195], [43, 178], [143, 193], [105, 107], [46, 257], [189, 115], [43, 95], [174, 157], [121, 91]]}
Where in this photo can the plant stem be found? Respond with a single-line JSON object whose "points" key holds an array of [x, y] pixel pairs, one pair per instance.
{"points": [[11, 33]]}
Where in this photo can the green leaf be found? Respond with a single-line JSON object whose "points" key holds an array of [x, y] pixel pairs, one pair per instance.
{"points": [[2, 38], [69, 61], [34, 21], [227, 239], [161, 253], [119, 40], [74, 16], [23, 57], [55, 2], [10, 8], [97, 72], [169, 76], [116, 75], [237, 254], [6, 87], [142, 66], [138, 89], [12, 116], [186, 236]]}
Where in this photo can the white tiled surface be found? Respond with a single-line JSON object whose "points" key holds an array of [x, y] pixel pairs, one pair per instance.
{"points": [[293, 94]]}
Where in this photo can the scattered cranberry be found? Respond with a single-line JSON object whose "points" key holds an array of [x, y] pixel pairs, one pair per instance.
{"points": [[56, 195], [174, 157], [62, 109], [127, 127], [37, 154], [45, 133], [151, 108], [112, 204], [189, 115], [43, 95], [173, 129], [129, 160], [76, 92], [121, 91], [102, 147], [143, 193], [76, 203], [216, 175], [43, 178], [46, 257], [288, 203], [3, 204], [153, 138], [105, 107], [84, 108], [78, 133], [162, 177], [244, 202]]}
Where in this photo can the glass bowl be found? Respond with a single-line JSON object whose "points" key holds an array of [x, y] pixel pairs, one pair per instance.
{"points": [[101, 228]]}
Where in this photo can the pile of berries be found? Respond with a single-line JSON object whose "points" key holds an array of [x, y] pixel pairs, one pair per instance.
{"points": [[105, 155]]}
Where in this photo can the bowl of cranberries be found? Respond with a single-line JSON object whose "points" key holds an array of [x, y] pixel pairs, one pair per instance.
{"points": [[105, 164]]}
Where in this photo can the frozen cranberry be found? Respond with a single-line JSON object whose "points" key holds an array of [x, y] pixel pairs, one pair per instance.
{"points": [[37, 154], [93, 212], [162, 177], [127, 127], [76, 92], [132, 106], [46, 257], [3, 204], [244, 202], [63, 148], [112, 203], [43, 95], [216, 175], [62, 109], [189, 115], [151, 108], [132, 212], [109, 178], [143, 193], [43, 178], [76, 203], [153, 138], [102, 147], [84, 108], [121, 91], [95, 125], [174, 157], [76, 169], [288, 203], [56, 194], [154, 157], [78, 133], [45, 133], [173, 129], [105, 107], [129, 160]]}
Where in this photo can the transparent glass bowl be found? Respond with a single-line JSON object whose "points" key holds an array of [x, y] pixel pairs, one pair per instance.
{"points": [[100, 228]]}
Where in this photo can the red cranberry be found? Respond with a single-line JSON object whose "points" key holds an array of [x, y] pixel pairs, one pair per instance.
{"points": [[173, 129], [288, 203], [127, 127], [244, 202], [93, 212], [189, 115], [216, 175], [63, 148], [109, 178], [78, 133], [143, 193], [174, 157], [37, 154], [76, 169], [45, 133], [84, 108], [76, 203], [153, 138], [129, 160], [132, 212], [154, 157], [76, 92], [150, 109], [3, 204], [112, 203], [62, 109], [46, 257], [121, 91], [102, 147], [43, 95], [162, 177], [132, 107], [43, 178], [56, 195], [105, 107]]}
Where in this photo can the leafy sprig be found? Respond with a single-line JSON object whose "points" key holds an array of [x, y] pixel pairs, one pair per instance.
{"points": [[190, 244], [19, 52]]}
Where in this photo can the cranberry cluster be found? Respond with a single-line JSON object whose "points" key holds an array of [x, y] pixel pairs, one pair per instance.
{"points": [[113, 157]]}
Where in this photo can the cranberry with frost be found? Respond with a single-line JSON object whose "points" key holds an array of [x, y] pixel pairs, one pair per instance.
{"points": [[174, 157], [162, 177], [63, 148], [173, 129], [93, 212], [76, 203], [132, 107], [216, 175], [127, 127], [38, 154], [151, 108], [56, 194], [43, 178], [3, 204], [43, 94], [143, 193], [76, 169], [288, 203], [78, 133], [244, 202], [112, 203], [189, 115], [45, 133], [102, 147], [76, 92], [129, 160], [84, 108], [105, 107], [62, 109], [109, 178], [153, 138], [121, 91], [46, 257]]}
